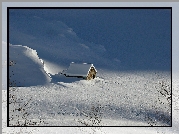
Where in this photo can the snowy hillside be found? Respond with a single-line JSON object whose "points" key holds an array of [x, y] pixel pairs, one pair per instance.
{"points": [[111, 99], [118, 102]]}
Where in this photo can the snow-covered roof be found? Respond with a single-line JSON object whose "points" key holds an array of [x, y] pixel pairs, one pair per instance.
{"points": [[76, 69]]}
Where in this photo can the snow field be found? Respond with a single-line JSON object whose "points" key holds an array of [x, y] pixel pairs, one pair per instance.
{"points": [[124, 99]]}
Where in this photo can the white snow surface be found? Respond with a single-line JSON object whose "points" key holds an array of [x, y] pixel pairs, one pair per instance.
{"points": [[76, 69], [27, 69], [89, 130]]}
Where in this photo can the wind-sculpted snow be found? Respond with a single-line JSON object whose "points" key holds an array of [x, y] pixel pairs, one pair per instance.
{"points": [[26, 69]]}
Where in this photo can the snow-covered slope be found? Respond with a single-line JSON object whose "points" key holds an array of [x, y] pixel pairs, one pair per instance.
{"points": [[117, 99], [26, 69], [88, 130], [112, 99]]}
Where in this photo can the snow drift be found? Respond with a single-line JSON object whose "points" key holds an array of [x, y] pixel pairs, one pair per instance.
{"points": [[26, 69]]}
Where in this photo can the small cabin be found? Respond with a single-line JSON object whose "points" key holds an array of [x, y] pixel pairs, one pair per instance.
{"points": [[85, 70]]}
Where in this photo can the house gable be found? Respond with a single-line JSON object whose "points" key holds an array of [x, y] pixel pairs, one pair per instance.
{"points": [[91, 73]]}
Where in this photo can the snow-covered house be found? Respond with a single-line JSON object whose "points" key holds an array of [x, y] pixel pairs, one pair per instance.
{"points": [[85, 71]]}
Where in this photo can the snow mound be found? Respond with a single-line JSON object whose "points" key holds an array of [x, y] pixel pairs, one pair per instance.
{"points": [[26, 69]]}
